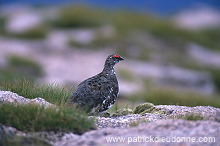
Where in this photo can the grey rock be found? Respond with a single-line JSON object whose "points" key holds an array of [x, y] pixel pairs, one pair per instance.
{"points": [[41, 101], [8, 132], [207, 112], [11, 136], [146, 134], [10, 97], [125, 121], [170, 130], [54, 138], [167, 112]]}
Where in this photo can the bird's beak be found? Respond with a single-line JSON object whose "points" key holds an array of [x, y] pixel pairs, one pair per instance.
{"points": [[120, 58]]}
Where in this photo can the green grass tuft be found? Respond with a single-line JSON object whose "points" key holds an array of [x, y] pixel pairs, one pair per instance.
{"points": [[31, 117], [38, 118], [28, 89]]}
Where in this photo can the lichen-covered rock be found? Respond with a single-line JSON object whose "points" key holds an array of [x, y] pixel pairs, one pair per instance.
{"points": [[10, 97]]}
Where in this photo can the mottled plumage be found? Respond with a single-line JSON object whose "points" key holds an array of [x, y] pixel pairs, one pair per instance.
{"points": [[98, 93]]}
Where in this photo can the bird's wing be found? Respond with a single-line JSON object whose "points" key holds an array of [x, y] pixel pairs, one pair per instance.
{"points": [[106, 93], [99, 87], [91, 89], [97, 93]]}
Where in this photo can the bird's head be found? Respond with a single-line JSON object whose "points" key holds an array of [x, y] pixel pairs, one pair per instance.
{"points": [[112, 60]]}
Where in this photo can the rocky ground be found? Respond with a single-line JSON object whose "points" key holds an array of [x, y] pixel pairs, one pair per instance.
{"points": [[139, 135], [146, 124]]}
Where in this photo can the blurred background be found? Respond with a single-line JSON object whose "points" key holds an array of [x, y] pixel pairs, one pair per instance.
{"points": [[171, 48]]}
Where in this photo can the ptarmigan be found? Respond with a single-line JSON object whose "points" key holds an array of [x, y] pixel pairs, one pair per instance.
{"points": [[98, 93]]}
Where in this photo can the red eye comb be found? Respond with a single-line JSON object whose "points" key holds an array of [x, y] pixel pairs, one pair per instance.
{"points": [[117, 56]]}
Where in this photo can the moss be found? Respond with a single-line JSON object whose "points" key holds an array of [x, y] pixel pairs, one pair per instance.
{"points": [[143, 108], [122, 112], [147, 108]]}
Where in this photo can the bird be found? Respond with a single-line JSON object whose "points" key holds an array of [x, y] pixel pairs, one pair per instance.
{"points": [[98, 93]]}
